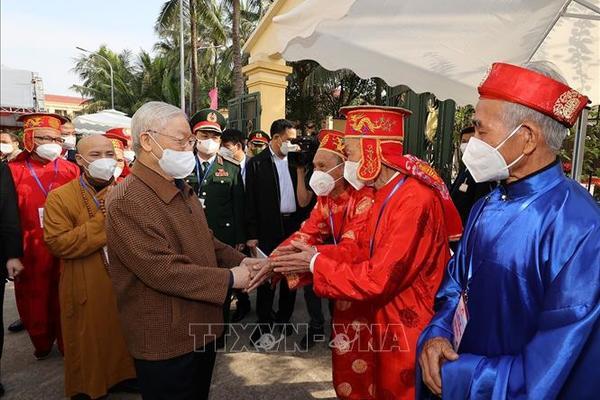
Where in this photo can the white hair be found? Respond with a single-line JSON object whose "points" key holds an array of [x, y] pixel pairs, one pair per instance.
{"points": [[153, 116], [514, 114]]}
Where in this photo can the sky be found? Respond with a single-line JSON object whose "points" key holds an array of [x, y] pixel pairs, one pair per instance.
{"points": [[41, 35]]}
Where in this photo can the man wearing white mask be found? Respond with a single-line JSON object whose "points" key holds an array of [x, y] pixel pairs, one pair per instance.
{"points": [[9, 146], [464, 190], [273, 213], [518, 310], [74, 230], [400, 258], [171, 275], [37, 171], [67, 132]]}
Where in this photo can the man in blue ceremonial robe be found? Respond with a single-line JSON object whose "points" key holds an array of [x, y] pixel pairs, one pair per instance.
{"points": [[517, 313]]}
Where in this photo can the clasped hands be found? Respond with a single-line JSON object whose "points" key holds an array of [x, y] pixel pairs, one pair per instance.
{"points": [[252, 272]]}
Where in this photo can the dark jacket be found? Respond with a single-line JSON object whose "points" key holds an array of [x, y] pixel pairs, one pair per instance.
{"points": [[465, 192], [263, 217], [222, 194], [11, 241]]}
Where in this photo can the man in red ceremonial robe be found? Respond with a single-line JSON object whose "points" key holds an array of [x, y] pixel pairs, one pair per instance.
{"points": [[334, 224], [37, 171], [406, 248]]}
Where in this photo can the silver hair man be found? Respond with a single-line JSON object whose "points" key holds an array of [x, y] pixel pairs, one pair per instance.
{"points": [[151, 116], [554, 132]]}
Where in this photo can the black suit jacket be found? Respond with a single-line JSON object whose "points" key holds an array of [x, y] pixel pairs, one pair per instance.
{"points": [[263, 215], [11, 241], [465, 192]]}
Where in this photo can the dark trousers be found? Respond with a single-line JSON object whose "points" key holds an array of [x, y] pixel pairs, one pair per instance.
{"points": [[287, 297], [186, 377], [2, 289], [314, 306]]}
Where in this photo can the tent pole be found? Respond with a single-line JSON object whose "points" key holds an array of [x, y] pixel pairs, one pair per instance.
{"points": [[579, 145], [554, 21], [588, 5]]}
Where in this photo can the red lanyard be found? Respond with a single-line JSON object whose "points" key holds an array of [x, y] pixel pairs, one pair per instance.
{"points": [[37, 180]]}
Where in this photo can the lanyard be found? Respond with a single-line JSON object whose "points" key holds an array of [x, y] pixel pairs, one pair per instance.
{"points": [[476, 221], [201, 177], [37, 180], [385, 202], [333, 235], [87, 189]]}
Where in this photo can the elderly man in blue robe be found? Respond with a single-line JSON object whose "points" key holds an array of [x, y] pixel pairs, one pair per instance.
{"points": [[517, 313]]}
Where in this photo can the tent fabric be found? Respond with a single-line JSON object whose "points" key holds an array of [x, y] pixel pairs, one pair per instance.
{"points": [[98, 123], [443, 47]]}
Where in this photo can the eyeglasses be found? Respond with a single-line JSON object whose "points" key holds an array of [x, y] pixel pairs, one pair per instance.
{"points": [[191, 142], [49, 139]]}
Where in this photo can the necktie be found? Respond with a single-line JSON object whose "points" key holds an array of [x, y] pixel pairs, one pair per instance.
{"points": [[205, 165]]}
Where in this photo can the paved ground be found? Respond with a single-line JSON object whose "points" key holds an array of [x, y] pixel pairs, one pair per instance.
{"points": [[238, 375]]}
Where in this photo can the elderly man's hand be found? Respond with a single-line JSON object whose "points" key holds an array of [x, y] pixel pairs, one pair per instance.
{"points": [[297, 262], [261, 272], [241, 276], [284, 251], [435, 352]]}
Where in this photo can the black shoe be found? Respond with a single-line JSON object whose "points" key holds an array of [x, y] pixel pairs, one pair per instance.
{"points": [[311, 338], [16, 326], [81, 396], [241, 311], [42, 355], [1, 390]]}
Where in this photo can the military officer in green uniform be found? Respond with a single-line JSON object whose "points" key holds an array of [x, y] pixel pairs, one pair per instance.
{"points": [[217, 180]]}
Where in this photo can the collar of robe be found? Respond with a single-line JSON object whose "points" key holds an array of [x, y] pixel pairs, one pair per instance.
{"points": [[533, 182]]}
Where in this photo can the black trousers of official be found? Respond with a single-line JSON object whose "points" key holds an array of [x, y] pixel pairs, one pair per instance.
{"points": [[186, 377], [287, 297]]}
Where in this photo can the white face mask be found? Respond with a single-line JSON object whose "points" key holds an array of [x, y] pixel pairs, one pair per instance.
{"points": [[102, 168], [69, 142], [350, 174], [322, 183], [176, 164], [49, 151], [485, 163], [118, 172], [129, 156], [463, 147], [288, 147], [225, 152], [207, 146], [6, 148]]}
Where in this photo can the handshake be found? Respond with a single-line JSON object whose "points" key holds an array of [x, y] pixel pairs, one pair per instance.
{"points": [[251, 273], [292, 258]]}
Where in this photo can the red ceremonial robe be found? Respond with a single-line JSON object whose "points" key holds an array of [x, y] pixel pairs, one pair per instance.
{"points": [[36, 288], [398, 278], [349, 213]]}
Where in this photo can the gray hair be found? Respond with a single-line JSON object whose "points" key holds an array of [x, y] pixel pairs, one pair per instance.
{"points": [[153, 116], [514, 114]]}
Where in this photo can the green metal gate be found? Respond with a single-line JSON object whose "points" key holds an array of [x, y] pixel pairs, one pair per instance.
{"points": [[244, 112], [437, 148]]}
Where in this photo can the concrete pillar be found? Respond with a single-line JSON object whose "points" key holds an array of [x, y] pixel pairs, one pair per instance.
{"points": [[269, 79]]}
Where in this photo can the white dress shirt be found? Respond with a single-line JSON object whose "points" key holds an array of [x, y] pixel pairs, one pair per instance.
{"points": [[287, 196], [243, 169]]}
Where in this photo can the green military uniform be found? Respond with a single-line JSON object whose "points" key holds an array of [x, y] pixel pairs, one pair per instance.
{"points": [[221, 190], [222, 194]]}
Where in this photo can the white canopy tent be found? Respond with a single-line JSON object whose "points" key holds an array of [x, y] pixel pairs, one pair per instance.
{"points": [[443, 47], [98, 123]]}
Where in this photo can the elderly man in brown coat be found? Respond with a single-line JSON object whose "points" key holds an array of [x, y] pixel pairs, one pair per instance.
{"points": [[170, 273]]}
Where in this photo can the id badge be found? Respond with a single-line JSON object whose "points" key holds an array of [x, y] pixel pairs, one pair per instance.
{"points": [[41, 216], [201, 202], [463, 188], [460, 320]]}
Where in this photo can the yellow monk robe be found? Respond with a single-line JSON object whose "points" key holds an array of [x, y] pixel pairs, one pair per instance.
{"points": [[96, 357]]}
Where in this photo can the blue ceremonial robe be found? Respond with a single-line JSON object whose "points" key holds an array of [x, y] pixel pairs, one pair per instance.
{"points": [[533, 249]]}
